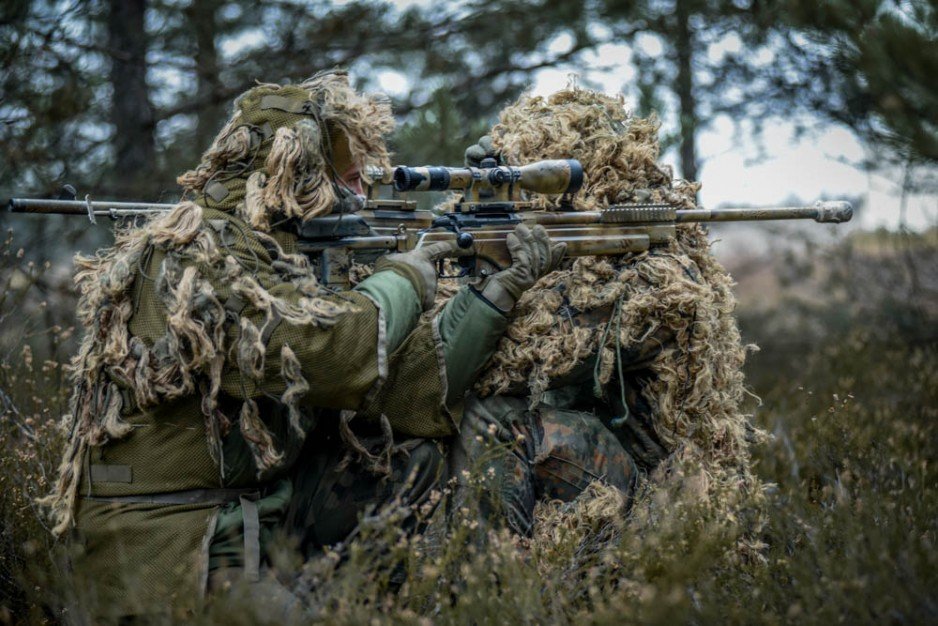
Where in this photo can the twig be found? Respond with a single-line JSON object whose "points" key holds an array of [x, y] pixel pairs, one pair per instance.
{"points": [[10, 410]]}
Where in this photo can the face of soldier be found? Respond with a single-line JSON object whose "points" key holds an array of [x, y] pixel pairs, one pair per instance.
{"points": [[351, 178], [348, 172]]}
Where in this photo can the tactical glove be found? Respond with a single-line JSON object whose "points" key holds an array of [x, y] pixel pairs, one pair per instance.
{"points": [[482, 150], [532, 255], [420, 266]]}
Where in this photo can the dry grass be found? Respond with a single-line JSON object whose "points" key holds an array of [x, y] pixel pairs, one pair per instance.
{"points": [[851, 518]]}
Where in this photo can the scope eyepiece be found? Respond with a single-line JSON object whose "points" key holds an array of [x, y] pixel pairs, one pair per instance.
{"points": [[403, 179]]}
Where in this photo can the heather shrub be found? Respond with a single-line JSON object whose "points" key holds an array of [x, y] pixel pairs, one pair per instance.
{"points": [[32, 397], [848, 387]]}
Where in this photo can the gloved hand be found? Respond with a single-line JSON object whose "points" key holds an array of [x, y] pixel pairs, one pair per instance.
{"points": [[532, 255], [482, 150], [420, 266]]}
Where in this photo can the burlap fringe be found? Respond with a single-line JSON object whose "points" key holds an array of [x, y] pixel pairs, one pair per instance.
{"points": [[190, 356], [294, 179], [697, 388]]}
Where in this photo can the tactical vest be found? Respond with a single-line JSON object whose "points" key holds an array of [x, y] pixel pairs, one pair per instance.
{"points": [[149, 502]]}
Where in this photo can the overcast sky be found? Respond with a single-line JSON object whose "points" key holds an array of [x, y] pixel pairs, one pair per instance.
{"points": [[809, 167], [734, 170]]}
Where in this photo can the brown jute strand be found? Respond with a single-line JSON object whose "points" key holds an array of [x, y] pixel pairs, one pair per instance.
{"points": [[287, 174], [189, 357], [232, 144], [697, 389], [300, 187]]}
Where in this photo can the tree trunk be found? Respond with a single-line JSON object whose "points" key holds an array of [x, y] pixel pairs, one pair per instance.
{"points": [[202, 15], [684, 87], [131, 112]]}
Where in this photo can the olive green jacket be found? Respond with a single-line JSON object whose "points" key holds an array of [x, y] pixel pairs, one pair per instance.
{"points": [[138, 549]]}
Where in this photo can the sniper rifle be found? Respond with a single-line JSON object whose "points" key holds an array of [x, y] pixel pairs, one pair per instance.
{"points": [[491, 200]]}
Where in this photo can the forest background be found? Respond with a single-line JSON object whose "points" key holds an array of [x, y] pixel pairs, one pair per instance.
{"points": [[117, 97]]}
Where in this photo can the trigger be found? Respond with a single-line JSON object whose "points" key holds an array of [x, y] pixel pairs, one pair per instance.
{"points": [[467, 265]]}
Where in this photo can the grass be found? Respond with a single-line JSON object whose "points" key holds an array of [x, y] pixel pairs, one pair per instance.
{"points": [[850, 394]]}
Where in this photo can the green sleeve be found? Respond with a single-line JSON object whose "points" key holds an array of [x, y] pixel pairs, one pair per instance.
{"points": [[435, 365], [340, 362], [397, 301], [469, 329]]}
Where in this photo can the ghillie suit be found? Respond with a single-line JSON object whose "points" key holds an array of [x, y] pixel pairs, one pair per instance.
{"points": [[211, 354], [647, 344]]}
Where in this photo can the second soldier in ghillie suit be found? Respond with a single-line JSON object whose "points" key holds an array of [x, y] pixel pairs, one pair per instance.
{"points": [[216, 379], [626, 371]]}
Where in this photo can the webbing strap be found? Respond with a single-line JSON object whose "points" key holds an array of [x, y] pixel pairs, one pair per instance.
{"points": [[252, 540], [233, 307], [260, 134], [189, 496], [290, 105], [271, 326], [128, 401]]}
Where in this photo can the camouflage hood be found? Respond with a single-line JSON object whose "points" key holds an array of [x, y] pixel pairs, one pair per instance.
{"points": [[619, 151], [284, 145]]}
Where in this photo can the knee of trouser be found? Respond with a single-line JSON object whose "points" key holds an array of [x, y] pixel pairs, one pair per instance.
{"points": [[619, 468], [577, 449], [425, 465]]}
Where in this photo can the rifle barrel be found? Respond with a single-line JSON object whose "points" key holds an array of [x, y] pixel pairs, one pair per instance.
{"points": [[81, 207], [834, 212], [377, 242], [824, 212]]}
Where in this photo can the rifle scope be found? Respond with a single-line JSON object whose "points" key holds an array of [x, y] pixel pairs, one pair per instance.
{"points": [[549, 177]]}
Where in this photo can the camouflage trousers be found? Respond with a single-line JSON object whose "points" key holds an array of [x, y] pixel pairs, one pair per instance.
{"points": [[331, 492], [527, 455]]}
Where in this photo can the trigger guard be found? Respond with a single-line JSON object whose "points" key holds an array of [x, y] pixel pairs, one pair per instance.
{"points": [[466, 267]]}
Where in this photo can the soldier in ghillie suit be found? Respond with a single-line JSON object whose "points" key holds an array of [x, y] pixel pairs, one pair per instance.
{"points": [[621, 370], [217, 379]]}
